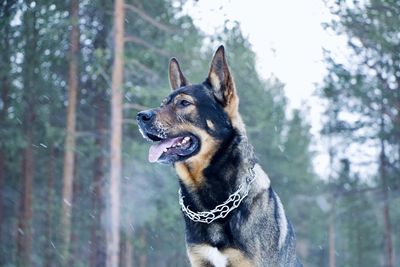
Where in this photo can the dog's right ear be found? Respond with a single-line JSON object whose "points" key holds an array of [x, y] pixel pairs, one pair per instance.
{"points": [[221, 79], [176, 77]]}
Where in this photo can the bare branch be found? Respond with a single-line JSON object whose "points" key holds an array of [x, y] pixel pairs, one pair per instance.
{"points": [[84, 134], [142, 67], [134, 106], [150, 19], [104, 75], [142, 42], [129, 121]]}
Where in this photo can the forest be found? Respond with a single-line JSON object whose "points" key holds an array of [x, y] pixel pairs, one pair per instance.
{"points": [[76, 188]]}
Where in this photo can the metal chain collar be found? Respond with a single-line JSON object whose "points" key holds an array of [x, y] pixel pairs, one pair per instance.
{"points": [[222, 210]]}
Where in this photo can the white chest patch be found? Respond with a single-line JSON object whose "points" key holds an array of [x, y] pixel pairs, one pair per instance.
{"points": [[262, 178], [283, 225], [213, 255]]}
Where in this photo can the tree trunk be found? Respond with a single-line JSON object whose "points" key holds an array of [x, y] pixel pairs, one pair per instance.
{"points": [[5, 85], [359, 243], [69, 145], [331, 236], [97, 235], [24, 239], [116, 136], [24, 235], [75, 251], [143, 255], [2, 171], [397, 119], [129, 254], [332, 216], [126, 253], [98, 239], [388, 243], [2, 176], [50, 200]]}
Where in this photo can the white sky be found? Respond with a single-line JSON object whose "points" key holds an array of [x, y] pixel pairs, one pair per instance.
{"points": [[288, 39]]}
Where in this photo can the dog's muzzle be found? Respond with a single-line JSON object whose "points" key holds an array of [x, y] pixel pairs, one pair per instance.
{"points": [[145, 117], [145, 120]]}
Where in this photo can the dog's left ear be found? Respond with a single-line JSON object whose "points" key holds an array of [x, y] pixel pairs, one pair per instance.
{"points": [[221, 79], [176, 77]]}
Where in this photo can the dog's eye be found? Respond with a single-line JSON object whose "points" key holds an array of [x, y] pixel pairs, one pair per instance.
{"points": [[183, 103]]}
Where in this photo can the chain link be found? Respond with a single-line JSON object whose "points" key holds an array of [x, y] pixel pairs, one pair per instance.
{"points": [[222, 210]]}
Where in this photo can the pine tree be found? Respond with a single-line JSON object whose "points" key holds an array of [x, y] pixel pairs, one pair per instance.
{"points": [[368, 89]]}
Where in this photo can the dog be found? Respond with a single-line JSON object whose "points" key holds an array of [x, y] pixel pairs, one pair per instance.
{"points": [[232, 215]]}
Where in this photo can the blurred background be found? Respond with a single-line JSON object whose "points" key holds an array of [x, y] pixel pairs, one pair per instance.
{"points": [[319, 85]]}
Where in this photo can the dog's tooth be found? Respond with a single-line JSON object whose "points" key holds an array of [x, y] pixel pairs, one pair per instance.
{"points": [[184, 141], [165, 149], [187, 138]]}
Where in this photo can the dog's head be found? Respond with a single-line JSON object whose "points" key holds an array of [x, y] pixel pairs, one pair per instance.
{"points": [[193, 120]]}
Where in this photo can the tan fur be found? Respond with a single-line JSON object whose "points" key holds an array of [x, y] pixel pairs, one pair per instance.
{"points": [[232, 109], [191, 178], [163, 119], [210, 125], [183, 96], [214, 80], [191, 170], [236, 258], [168, 116]]}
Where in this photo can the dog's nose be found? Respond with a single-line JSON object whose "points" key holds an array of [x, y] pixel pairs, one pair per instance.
{"points": [[145, 116]]}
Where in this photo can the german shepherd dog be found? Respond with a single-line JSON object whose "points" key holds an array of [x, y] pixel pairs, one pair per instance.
{"points": [[232, 215]]}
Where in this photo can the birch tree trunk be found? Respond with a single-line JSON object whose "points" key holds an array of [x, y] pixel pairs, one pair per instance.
{"points": [[69, 146], [116, 136]]}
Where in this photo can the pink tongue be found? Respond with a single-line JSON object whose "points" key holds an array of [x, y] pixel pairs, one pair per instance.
{"points": [[156, 150]]}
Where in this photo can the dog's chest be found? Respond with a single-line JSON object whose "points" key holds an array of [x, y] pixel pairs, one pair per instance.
{"points": [[216, 234], [206, 255], [212, 255]]}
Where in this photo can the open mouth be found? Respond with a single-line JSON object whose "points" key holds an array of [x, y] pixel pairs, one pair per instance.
{"points": [[172, 149]]}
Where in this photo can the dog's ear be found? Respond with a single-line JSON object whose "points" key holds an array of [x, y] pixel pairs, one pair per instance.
{"points": [[221, 79], [223, 88], [176, 77]]}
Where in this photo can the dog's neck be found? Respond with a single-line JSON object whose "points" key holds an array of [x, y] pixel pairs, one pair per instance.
{"points": [[226, 170]]}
